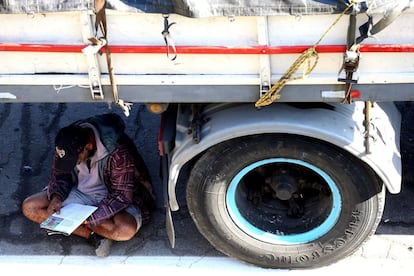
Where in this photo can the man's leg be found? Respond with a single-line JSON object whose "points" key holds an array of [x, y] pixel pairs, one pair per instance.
{"points": [[122, 227], [35, 207]]}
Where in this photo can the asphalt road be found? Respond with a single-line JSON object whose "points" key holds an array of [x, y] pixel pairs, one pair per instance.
{"points": [[27, 132]]}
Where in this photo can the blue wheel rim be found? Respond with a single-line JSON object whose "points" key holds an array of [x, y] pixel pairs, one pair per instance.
{"points": [[268, 237]]}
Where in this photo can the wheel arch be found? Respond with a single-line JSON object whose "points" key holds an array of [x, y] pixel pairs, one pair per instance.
{"points": [[337, 124]]}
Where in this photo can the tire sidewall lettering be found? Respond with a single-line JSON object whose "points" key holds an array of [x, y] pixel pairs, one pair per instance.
{"points": [[324, 249]]}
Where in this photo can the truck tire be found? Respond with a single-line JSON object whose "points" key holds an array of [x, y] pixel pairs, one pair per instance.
{"points": [[284, 201]]}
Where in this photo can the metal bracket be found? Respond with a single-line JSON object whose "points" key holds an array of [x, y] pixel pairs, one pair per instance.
{"points": [[264, 59], [348, 72], [91, 51]]}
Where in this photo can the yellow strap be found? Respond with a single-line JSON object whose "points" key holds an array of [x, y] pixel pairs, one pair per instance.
{"points": [[273, 93]]}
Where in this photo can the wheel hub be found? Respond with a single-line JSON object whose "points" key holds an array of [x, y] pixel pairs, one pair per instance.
{"points": [[283, 185]]}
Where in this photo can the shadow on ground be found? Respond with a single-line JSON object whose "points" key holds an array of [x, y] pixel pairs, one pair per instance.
{"points": [[27, 131]]}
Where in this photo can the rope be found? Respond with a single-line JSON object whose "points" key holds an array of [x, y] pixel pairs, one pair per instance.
{"points": [[273, 93]]}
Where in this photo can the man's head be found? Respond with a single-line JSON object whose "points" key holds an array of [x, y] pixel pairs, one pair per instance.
{"points": [[69, 143]]}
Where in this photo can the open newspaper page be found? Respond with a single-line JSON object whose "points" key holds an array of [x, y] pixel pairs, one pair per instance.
{"points": [[70, 217]]}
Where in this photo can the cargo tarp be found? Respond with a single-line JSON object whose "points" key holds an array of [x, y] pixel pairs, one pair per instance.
{"points": [[206, 8]]}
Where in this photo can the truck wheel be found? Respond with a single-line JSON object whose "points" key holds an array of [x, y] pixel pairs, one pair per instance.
{"points": [[284, 201]]}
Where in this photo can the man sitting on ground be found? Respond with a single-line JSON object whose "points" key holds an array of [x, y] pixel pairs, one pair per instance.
{"points": [[96, 163]]}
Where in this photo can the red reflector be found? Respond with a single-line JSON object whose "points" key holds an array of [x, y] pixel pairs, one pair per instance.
{"points": [[355, 94]]}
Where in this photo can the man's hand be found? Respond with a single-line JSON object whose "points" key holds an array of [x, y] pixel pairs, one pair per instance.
{"points": [[55, 204]]}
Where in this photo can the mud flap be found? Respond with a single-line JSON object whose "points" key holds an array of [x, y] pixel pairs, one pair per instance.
{"points": [[169, 226], [166, 143]]}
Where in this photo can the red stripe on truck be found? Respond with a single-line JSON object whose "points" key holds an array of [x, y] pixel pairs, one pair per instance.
{"points": [[217, 50]]}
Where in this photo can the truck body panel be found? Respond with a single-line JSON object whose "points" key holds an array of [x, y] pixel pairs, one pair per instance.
{"points": [[219, 59]]}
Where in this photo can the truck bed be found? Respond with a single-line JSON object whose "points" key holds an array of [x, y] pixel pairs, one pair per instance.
{"points": [[209, 59]]}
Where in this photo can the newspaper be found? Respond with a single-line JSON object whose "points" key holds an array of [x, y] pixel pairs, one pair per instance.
{"points": [[69, 218]]}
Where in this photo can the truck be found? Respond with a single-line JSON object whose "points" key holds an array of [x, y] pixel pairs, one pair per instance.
{"points": [[279, 116]]}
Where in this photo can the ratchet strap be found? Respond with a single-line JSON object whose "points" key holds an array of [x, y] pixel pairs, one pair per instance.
{"points": [[101, 23], [350, 61]]}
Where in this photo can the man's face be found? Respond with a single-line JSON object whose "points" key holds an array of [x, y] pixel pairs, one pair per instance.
{"points": [[83, 155]]}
